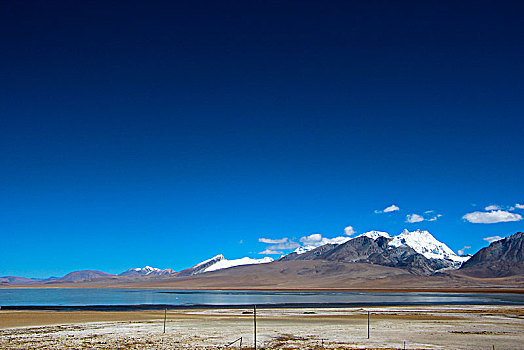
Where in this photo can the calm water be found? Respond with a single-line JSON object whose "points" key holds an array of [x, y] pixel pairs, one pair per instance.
{"points": [[181, 298]]}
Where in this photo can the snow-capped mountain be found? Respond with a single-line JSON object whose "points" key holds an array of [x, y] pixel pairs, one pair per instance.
{"points": [[146, 271], [417, 251], [424, 243], [374, 234], [200, 267], [224, 263]]}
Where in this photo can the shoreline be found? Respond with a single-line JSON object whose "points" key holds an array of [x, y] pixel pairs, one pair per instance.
{"points": [[211, 307], [490, 290]]}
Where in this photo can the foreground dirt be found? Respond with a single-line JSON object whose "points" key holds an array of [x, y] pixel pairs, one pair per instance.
{"points": [[439, 327]]}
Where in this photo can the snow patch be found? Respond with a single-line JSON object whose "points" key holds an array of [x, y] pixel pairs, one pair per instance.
{"points": [[224, 263]]}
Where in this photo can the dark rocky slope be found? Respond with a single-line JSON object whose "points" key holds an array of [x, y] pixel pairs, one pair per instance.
{"points": [[501, 259]]}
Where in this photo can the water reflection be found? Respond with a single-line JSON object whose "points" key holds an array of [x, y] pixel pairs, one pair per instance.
{"points": [[79, 297]]}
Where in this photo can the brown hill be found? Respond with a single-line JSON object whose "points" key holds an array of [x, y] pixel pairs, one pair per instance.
{"points": [[501, 259], [85, 275]]}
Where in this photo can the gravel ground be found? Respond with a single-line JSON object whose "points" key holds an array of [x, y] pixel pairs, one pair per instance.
{"points": [[441, 327]]}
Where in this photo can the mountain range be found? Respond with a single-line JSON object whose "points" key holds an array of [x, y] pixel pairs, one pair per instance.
{"points": [[418, 252], [370, 257]]}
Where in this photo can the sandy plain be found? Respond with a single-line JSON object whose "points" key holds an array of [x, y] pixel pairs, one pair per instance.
{"points": [[428, 327]]}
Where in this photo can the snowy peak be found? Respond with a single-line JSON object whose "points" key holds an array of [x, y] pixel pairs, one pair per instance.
{"points": [[304, 249], [213, 260], [424, 243], [374, 234], [146, 271]]}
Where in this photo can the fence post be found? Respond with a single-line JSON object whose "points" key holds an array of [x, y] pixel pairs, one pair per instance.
{"points": [[255, 325], [165, 318], [368, 324]]}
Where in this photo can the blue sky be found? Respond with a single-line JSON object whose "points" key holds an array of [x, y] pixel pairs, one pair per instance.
{"points": [[162, 134]]}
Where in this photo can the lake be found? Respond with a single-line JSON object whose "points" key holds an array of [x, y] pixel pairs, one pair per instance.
{"points": [[161, 298]]}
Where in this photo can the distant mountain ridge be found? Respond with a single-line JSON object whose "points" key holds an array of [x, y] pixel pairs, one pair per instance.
{"points": [[217, 262], [146, 271], [17, 280]]}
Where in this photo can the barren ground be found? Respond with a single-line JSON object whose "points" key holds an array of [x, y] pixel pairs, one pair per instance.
{"points": [[438, 327]]}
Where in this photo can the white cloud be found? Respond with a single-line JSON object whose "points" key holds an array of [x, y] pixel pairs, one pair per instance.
{"points": [[273, 241], [277, 245], [461, 251], [316, 240], [349, 231], [435, 218], [519, 206], [311, 239], [492, 239], [337, 240], [271, 252], [389, 209], [492, 207], [412, 218], [285, 246], [491, 217]]}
